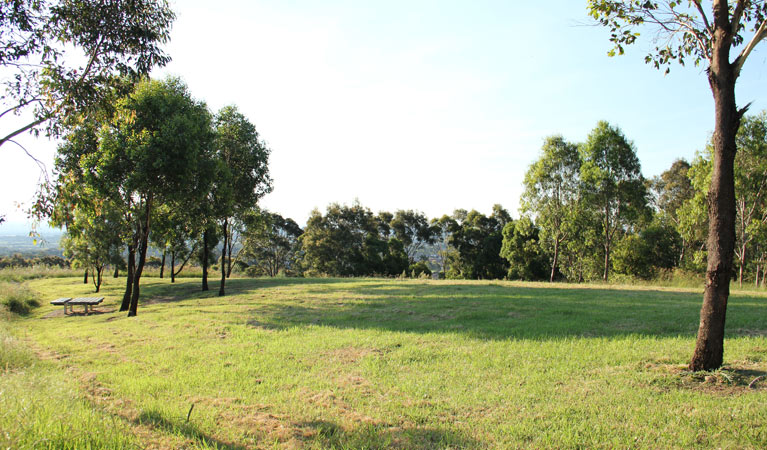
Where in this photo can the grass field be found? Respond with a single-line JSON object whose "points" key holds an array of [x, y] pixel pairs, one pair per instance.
{"points": [[371, 363]]}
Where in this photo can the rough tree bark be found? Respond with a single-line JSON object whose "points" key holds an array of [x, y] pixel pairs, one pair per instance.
{"points": [[709, 346]]}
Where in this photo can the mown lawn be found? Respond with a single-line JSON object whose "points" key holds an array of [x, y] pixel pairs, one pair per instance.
{"points": [[329, 363]]}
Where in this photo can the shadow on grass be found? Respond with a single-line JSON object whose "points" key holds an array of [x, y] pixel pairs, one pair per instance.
{"points": [[180, 427], [485, 311], [186, 289], [324, 433], [330, 435]]}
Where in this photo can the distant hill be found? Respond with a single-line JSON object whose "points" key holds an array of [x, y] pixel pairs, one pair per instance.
{"points": [[15, 238]]}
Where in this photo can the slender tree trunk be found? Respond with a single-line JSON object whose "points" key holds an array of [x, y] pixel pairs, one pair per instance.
{"points": [[205, 260], [681, 256], [221, 288], [129, 282], [97, 277], [556, 259], [117, 271], [141, 259], [709, 346], [85, 277], [607, 241], [229, 253], [162, 264], [173, 266]]}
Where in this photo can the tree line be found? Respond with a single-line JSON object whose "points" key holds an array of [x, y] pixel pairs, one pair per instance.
{"points": [[586, 212]]}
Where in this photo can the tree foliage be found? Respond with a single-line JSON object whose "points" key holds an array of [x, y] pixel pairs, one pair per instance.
{"points": [[552, 189], [241, 177], [154, 150], [347, 241], [62, 56], [477, 240], [271, 244], [613, 184], [521, 248]]}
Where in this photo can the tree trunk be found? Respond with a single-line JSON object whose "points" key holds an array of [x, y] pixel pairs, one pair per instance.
{"points": [[742, 261], [709, 347], [85, 277], [607, 241], [117, 271], [681, 256], [556, 258], [97, 277], [173, 266], [221, 288], [129, 283], [205, 260], [141, 259], [162, 264], [230, 244]]}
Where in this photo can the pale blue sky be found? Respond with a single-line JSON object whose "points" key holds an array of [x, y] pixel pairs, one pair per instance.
{"points": [[423, 104]]}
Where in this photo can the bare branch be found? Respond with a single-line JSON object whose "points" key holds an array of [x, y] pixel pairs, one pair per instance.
{"points": [[761, 33], [39, 163], [20, 105], [27, 127], [703, 15]]}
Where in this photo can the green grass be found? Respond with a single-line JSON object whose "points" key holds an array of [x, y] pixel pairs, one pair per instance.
{"points": [[18, 274], [41, 407], [370, 363]]}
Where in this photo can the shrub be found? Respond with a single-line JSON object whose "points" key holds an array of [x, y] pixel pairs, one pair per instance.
{"points": [[18, 298], [418, 269]]}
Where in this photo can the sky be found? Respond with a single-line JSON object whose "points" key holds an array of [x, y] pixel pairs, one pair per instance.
{"points": [[426, 105]]}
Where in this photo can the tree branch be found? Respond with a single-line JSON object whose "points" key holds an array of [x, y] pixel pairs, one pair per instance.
{"points": [[703, 15], [761, 33], [23, 129], [736, 16], [20, 105]]}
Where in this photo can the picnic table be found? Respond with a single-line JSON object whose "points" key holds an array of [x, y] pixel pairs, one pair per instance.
{"points": [[84, 301]]}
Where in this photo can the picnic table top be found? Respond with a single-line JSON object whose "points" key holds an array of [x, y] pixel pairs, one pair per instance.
{"points": [[78, 301], [86, 300]]}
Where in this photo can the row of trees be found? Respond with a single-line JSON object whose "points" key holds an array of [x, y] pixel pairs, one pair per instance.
{"points": [[154, 167], [586, 212]]}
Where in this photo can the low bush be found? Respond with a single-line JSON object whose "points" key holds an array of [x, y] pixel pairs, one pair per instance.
{"points": [[17, 298]]}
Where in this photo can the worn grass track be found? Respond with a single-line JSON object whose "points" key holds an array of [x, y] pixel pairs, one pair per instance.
{"points": [[370, 363]]}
